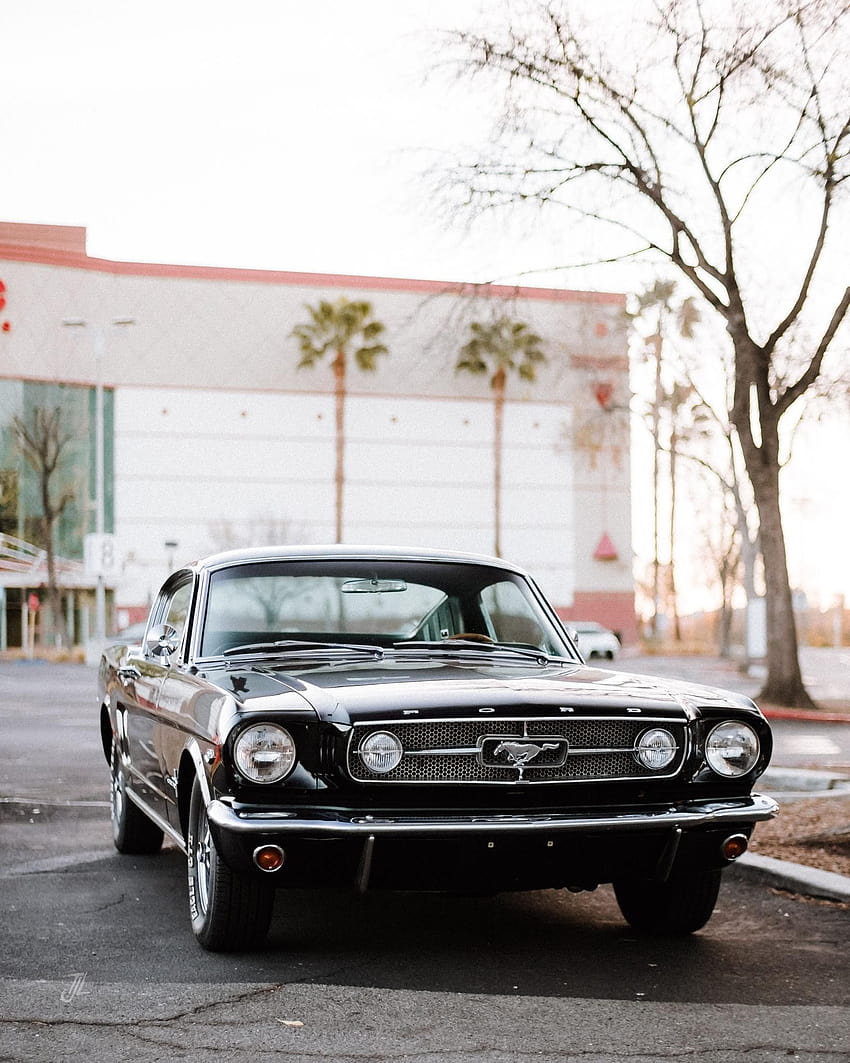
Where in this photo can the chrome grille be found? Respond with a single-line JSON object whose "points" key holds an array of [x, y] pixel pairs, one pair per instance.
{"points": [[457, 751]]}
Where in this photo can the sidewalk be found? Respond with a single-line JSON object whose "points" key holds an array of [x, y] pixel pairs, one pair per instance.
{"points": [[787, 785], [796, 878]]}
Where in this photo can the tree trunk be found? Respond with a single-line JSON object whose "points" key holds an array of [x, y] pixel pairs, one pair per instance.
{"points": [[656, 478], [498, 384], [784, 683], [339, 480], [57, 613], [724, 639], [54, 591], [674, 603]]}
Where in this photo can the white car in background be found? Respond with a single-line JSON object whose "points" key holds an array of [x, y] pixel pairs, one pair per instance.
{"points": [[594, 640]]}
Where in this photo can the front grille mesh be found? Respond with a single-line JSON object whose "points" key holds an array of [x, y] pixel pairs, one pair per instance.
{"points": [[457, 751]]}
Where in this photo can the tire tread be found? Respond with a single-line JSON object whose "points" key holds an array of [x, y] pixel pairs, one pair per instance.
{"points": [[681, 905], [240, 909], [134, 833]]}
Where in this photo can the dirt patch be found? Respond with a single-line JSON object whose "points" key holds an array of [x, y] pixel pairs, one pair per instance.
{"points": [[814, 832]]}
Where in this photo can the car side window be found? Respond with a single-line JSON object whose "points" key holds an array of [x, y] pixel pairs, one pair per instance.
{"points": [[177, 609]]}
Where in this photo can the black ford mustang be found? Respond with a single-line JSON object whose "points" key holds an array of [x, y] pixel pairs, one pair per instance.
{"points": [[370, 718]]}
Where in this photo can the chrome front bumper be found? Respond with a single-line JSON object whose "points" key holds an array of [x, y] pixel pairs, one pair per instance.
{"points": [[308, 823]]}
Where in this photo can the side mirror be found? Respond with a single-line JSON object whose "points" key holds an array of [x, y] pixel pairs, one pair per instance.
{"points": [[162, 641]]}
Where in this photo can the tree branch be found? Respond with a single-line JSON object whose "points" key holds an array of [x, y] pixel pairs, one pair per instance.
{"points": [[790, 395]]}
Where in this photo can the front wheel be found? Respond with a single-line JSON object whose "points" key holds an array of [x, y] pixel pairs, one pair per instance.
{"points": [[681, 905], [229, 912], [132, 831]]}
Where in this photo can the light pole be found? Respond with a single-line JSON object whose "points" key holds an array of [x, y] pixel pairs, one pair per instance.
{"points": [[99, 459], [170, 546]]}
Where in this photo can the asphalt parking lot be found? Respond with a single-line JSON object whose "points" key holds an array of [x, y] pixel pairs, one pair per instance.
{"points": [[99, 959]]}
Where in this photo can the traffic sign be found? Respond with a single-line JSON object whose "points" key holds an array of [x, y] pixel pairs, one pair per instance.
{"points": [[100, 555]]}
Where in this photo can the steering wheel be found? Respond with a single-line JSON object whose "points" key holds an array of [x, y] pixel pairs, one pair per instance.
{"points": [[472, 636]]}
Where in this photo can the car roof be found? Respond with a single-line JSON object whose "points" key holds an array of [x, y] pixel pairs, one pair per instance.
{"points": [[345, 552]]}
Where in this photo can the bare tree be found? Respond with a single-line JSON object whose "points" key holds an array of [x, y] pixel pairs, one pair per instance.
{"points": [[737, 550], [681, 143], [700, 435], [722, 547], [261, 529], [42, 441], [666, 315]]}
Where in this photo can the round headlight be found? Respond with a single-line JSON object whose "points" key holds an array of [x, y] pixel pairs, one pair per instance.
{"points": [[264, 752], [381, 752], [656, 748], [732, 749]]}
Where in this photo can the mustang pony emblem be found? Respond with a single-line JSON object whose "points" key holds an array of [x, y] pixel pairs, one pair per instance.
{"points": [[520, 753]]}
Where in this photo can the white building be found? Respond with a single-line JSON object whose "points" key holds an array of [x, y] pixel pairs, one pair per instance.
{"points": [[214, 437]]}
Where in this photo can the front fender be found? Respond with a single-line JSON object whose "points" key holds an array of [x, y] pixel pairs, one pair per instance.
{"points": [[194, 764]]}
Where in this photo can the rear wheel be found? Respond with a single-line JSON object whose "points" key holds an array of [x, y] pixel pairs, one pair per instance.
{"points": [[132, 831], [680, 905], [229, 912]]}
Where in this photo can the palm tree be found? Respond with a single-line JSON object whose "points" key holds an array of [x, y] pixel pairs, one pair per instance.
{"points": [[343, 328], [657, 303], [498, 348]]}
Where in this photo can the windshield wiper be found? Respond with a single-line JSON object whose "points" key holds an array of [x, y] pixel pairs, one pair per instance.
{"points": [[305, 648], [464, 648]]}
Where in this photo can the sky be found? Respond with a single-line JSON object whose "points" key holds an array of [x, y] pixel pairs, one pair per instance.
{"points": [[267, 134], [286, 135]]}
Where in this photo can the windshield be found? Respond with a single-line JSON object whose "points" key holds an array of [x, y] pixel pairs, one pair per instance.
{"points": [[373, 602]]}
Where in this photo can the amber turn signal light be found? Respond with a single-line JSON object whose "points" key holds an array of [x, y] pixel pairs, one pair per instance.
{"points": [[269, 857], [734, 846]]}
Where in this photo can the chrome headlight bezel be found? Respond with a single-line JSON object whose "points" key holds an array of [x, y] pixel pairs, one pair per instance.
{"points": [[656, 748], [380, 752], [732, 749], [264, 753]]}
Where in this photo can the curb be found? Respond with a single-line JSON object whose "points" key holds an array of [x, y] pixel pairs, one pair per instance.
{"points": [[790, 783], [810, 715], [796, 878]]}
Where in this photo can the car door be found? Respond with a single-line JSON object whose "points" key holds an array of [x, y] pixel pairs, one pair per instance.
{"points": [[176, 693], [146, 674]]}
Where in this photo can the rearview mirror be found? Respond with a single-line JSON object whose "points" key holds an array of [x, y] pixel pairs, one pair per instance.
{"points": [[373, 586]]}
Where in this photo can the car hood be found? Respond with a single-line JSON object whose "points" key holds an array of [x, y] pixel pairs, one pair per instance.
{"points": [[424, 688]]}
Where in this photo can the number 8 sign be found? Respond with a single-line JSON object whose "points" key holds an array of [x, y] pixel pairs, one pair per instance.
{"points": [[100, 556]]}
